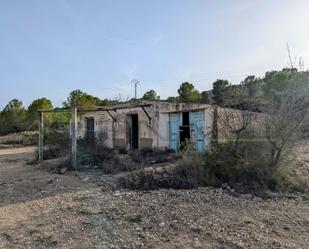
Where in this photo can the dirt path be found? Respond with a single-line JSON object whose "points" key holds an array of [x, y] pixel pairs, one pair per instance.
{"points": [[43, 210]]}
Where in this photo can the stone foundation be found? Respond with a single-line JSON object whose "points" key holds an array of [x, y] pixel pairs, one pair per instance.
{"points": [[162, 172]]}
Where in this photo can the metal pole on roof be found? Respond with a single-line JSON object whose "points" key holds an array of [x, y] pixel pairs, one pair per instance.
{"points": [[135, 82]]}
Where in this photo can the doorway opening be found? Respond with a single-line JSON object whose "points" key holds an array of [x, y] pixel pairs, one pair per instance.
{"points": [[133, 131], [90, 130], [184, 130]]}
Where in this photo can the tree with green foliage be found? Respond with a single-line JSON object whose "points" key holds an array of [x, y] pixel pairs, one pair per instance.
{"points": [[187, 92], [42, 103], [252, 86], [150, 95], [233, 96], [205, 97], [13, 105], [105, 102], [13, 117], [172, 99], [57, 119], [219, 91], [80, 98], [252, 93], [276, 82]]}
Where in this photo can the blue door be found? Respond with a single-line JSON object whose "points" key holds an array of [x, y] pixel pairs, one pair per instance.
{"points": [[197, 130], [174, 124]]}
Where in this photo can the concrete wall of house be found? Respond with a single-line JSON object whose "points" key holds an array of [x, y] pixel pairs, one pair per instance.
{"points": [[208, 126], [230, 120], [166, 107], [154, 134], [163, 131], [226, 118], [116, 134], [103, 127]]}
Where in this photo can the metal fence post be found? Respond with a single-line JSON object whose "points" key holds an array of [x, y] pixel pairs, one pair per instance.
{"points": [[73, 138], [41, 136]]}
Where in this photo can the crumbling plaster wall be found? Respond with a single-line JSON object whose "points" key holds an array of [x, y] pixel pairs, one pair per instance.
{"points": [[147, 129], [116, 133], [103, 126], [152, 134]]}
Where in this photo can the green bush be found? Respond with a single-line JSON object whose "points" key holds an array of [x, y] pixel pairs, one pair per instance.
{"points": [[56, 143], [97, 154], [251, 170]]}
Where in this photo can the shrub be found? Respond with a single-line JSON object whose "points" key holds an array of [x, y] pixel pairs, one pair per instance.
{"points": [[151, 156], [290, 181], [99, 155], [252, 168], [142, 179], [57, 143], [250, 171]]}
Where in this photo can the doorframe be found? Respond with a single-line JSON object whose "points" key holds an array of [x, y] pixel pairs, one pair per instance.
{"points": [[129, 133], [87, 133]]}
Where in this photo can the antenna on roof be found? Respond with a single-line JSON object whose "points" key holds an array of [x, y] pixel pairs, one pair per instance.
{"points": [[135, 82]]}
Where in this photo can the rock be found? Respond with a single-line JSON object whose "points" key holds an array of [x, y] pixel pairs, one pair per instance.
{"points": [[161, 224], [139, 244], [134, 218], [171, 169], [139, 229], [225, 186], [149, 170], [159, 170], [63, 170], [246, 196], [6, 236], [234, 193], [197, 243], [195, 229], [286, 228]]}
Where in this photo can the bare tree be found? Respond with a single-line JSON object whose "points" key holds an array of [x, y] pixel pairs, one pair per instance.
{"points": [[234, 124], [120, 98], [286, 117], [292, 60]]}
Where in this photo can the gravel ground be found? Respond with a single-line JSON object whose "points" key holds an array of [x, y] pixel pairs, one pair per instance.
{"points": [[39, 209]]}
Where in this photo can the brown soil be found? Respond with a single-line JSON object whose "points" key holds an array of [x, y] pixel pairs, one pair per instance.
{"points": [[39, 209]]}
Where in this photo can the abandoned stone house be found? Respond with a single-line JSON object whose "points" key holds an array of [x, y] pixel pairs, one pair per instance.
{"points": [[143, 124]]}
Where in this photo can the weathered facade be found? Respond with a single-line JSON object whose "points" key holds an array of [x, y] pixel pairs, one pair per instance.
{"points": [[149, 124]]}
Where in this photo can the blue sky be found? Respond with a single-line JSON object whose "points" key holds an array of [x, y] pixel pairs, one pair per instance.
{"points": [[50, 47]]}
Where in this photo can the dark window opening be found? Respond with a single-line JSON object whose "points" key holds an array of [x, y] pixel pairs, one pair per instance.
{"points": [[185, 119]]}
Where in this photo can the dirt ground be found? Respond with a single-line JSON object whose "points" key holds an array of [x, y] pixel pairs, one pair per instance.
{"points": [[39, 209]]}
